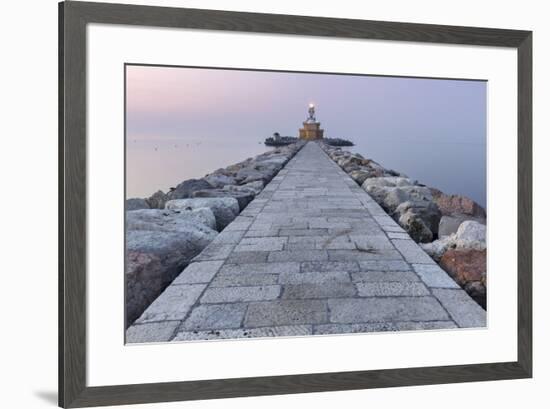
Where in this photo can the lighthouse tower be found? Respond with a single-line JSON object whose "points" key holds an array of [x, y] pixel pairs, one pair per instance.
{"points": [[312, 129]]}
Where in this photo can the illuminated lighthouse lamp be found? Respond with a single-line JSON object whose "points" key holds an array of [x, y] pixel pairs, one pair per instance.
{"points": [[312, 129]]}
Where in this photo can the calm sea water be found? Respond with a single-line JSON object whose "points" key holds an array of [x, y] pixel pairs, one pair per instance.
{"points": [[453, 167], [161, 164]]}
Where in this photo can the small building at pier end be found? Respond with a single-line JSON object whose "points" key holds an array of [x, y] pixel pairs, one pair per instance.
{"points": [[312, 129]]}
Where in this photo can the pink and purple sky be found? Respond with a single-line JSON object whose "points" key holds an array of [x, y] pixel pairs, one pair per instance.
{"points": [[186, 122]]}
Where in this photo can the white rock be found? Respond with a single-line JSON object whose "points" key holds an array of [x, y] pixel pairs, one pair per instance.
{"points": [[169, 220], [471, 235], [395, 196], [449, 224], [387, 181], [254, 187], [224, 208], [437, 248], [275, 160], [219, 180]]}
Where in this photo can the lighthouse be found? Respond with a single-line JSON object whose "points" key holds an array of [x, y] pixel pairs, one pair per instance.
{"points": [[312, 129]]}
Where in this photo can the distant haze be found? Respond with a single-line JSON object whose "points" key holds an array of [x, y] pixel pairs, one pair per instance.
{"points": [[186, 122]]}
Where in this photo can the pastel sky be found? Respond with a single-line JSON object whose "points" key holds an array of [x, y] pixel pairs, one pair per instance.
{"points": [[430, 129]]}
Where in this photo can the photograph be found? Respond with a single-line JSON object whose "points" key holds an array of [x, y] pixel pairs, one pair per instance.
{"points": [[263, 203]]}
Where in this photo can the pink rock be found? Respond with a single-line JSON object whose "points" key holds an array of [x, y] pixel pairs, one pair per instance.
{"points": [[465, 265], [456, 204]]}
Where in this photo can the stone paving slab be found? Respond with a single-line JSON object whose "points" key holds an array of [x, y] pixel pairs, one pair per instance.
{"points": [[173, 304], [245, 257], [314, 266], [286, 312], [215, 251], [314, 277], [273, 232], [229, 237], [384, 265], [239, 294], [458, 303], [199, 272], [395, 289], [261, 244], [384, 276], [387, 309], [297, 255], [327, 289], [331, 329], [412, 252], [433, 276], [244, 279], [261, 268], [283, 331], [157, 331], [312, 254], [367, 242], [215, 316], [418, 326], [326, 329], [363, 255]]}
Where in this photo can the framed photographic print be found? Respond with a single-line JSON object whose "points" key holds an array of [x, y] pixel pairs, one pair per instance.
{"points": [[257, 204]]}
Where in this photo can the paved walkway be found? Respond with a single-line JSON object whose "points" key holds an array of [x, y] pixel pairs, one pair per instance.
{"points": [[312, 254]]}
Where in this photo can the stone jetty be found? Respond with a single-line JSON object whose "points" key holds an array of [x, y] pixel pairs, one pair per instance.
{"points": [[312, 253]]}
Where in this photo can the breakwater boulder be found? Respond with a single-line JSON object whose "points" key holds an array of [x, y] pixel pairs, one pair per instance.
{"points": [[357, 166], [463, 255], [420, 218], [243, 197], [410, 204], [252, 187], [136, 204], [449, 224], [170, 220], [457, 205], [225, 209], [470, 235], [157, 200], [186, 188], [219, 180], [468, 268], [159, 244], [251, 174]]}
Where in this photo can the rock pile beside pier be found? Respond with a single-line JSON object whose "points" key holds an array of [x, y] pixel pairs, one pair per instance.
{"points": [[450, 228], [165, 231]]}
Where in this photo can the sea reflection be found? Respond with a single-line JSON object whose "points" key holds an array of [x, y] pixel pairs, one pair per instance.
{"points": [[161, 164]]}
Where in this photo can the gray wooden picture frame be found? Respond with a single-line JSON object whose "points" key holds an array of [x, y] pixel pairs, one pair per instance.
{"points": [[73, 19]]}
